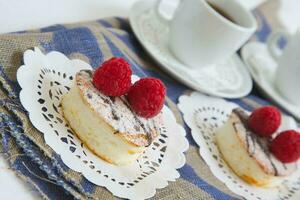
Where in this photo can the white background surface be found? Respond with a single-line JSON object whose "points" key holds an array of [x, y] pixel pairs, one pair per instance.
{"points": [[17, 15], [11, 186]]}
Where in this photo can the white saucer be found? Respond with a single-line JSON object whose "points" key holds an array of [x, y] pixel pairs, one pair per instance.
{"points": [[262, 68], [229, 79]]}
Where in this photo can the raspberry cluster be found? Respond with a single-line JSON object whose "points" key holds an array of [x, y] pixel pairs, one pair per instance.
{"points": [[146, 96], [285, 146]]}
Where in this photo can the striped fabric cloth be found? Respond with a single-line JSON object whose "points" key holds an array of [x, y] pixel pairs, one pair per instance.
{"points": [[36, 163]]}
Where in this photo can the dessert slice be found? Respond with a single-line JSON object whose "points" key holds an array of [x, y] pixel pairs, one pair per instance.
{"points": [[248, 154], [107, 125]]}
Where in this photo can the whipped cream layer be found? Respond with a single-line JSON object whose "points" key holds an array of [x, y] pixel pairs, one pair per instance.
{"points": [[117, 112], [258, 148]]}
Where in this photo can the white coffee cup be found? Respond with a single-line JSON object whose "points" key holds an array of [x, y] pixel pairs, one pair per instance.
{"points": [[200, 36], [287, 78]]}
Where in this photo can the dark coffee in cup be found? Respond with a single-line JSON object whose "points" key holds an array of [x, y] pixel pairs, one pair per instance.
{"points": [[221, 12]]}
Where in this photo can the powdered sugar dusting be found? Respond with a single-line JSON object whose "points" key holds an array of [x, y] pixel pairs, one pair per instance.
{"points": [[116, 111]]}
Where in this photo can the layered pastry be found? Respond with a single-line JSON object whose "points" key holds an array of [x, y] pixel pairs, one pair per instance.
{"points": [[108, 125], [248, 154]]}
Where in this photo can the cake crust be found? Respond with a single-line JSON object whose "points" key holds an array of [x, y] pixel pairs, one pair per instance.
{"points": [[92, 149]]}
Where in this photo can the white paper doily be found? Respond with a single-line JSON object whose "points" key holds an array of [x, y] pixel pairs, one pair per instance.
{"points": [[44, 80], [204, 114]]}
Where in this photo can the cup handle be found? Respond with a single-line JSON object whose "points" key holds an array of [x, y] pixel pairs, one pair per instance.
{"points": [[272, 42], [158, 14]]}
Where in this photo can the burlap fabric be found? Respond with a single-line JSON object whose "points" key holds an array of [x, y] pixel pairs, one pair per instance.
{"points": [[93, 42]]}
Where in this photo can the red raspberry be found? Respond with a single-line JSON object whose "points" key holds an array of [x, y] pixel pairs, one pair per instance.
{"points": [[265, 121], [113, 78], [147, 97], [286, 146]]}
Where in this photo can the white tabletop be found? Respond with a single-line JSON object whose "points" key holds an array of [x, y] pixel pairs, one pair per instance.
{"points": [[12, 187], [18, 15]]}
